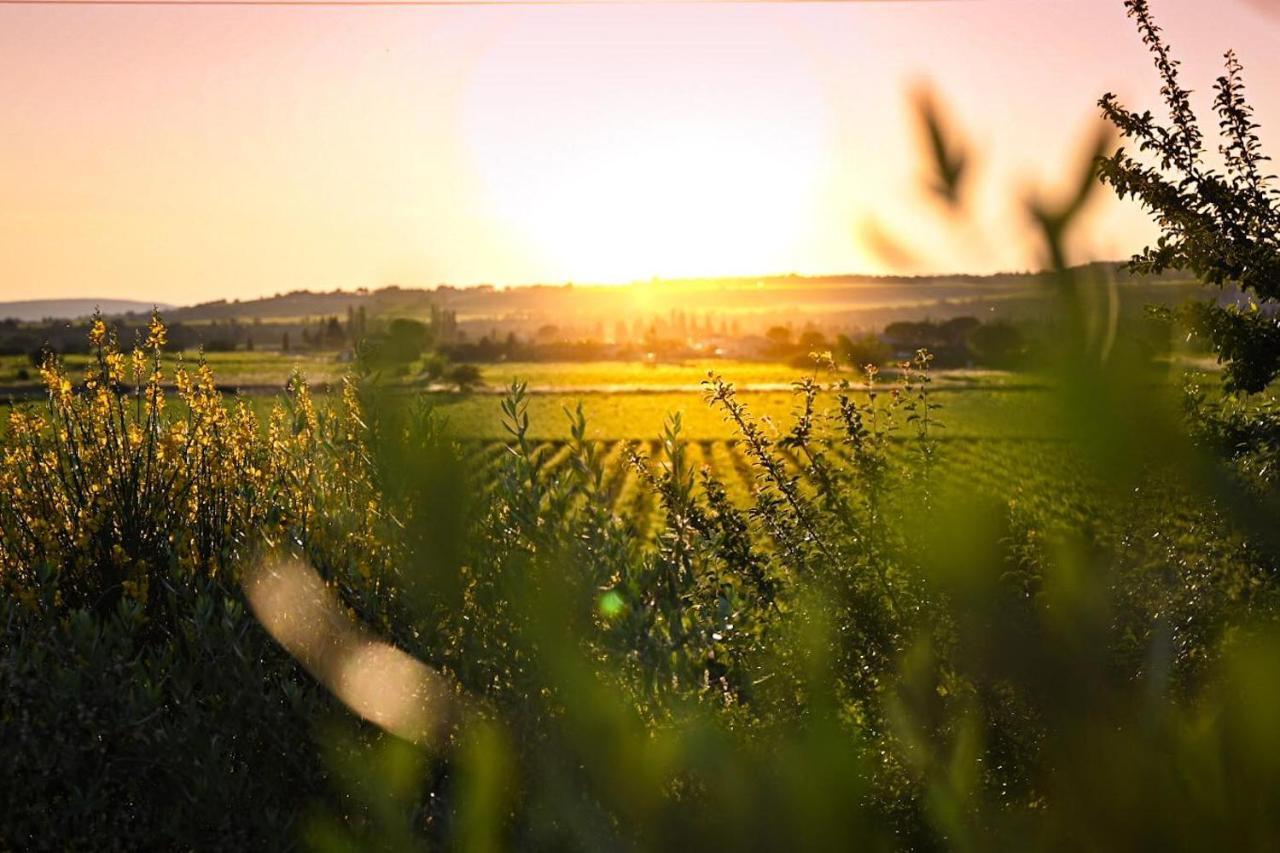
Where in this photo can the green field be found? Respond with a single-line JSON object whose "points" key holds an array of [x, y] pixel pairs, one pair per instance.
{"points": [[998, 431], [264, 369], [610, 376], [628, 400], [260, 370]]}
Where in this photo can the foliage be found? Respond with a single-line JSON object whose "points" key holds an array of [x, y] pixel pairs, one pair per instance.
{"points": [[866, 349], [463, 376], [109, 490], [848, 648], [1224, 226], [141, 701], [998, 344], [401, 343], [119, 738], [434, 367], [914, 665]]}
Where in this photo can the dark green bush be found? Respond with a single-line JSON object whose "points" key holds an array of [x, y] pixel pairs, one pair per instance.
{"points": [[118, 738]]}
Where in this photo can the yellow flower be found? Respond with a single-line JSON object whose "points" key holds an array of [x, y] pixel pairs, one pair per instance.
{"points": [[115, 366], [157, 335], [139, 360], [97, 332]]}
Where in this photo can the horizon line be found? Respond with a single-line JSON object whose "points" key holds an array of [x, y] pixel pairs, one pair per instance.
{"points": [[356, 291]]}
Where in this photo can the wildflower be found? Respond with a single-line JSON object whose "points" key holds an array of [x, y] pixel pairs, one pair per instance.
{"points": [[55, 381], [138, 360], [115, 367], [97, 333], [157, 335]]}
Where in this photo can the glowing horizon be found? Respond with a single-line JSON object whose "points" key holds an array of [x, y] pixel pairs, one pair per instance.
{"points": [[182, 155]]}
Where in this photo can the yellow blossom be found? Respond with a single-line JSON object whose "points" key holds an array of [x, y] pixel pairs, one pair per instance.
{"points": [[97, 333], [157, 335]]}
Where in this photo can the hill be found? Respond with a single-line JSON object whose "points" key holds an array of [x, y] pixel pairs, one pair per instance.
{"points": [[749, 305], [34, 310]]}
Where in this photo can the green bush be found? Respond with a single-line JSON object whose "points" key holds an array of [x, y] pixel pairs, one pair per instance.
{"points": [[116, 738]]}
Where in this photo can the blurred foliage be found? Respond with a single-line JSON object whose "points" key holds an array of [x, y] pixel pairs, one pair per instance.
{"points": [[117, 737]]}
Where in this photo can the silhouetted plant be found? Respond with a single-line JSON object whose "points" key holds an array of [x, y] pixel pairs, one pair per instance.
{"points": [[1224, 227]]}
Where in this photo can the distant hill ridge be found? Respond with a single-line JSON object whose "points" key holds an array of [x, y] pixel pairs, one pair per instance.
{"points": [[35, 310], [487, 300], [482, 301]]}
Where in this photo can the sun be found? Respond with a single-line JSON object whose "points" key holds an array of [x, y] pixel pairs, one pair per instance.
{"points": [[615, 164]]}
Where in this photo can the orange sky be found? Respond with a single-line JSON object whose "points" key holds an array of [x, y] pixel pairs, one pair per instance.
{"points": [[184, 154]]}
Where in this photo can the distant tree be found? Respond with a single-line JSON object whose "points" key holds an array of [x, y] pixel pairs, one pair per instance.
{"points": [[406, 340], [334, 336], [1224, 227], [248, 343], [434, 367], [284, 342], [957, 329], [859, 352], [911, 335], [997, 344], [401, 344], [463, 376], [812, 341], [779, 336]]}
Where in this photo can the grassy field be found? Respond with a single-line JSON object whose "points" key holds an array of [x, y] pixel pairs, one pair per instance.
{"points": [[627, 400], [264, 369], [611, 376], [258, 369]]}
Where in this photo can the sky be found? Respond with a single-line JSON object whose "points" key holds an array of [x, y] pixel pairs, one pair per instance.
{"points": [[183, 154]]}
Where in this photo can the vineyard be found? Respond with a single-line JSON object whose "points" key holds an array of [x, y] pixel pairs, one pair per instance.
{"points": [[1037, 475]]}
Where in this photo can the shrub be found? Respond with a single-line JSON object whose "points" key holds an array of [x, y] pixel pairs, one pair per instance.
{"points": [[1223, 226], [143, 706], [997, 345], [116, 738], [464, 376]]}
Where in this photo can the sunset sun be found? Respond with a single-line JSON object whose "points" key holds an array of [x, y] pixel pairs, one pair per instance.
{"points": [[625, 170]]}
